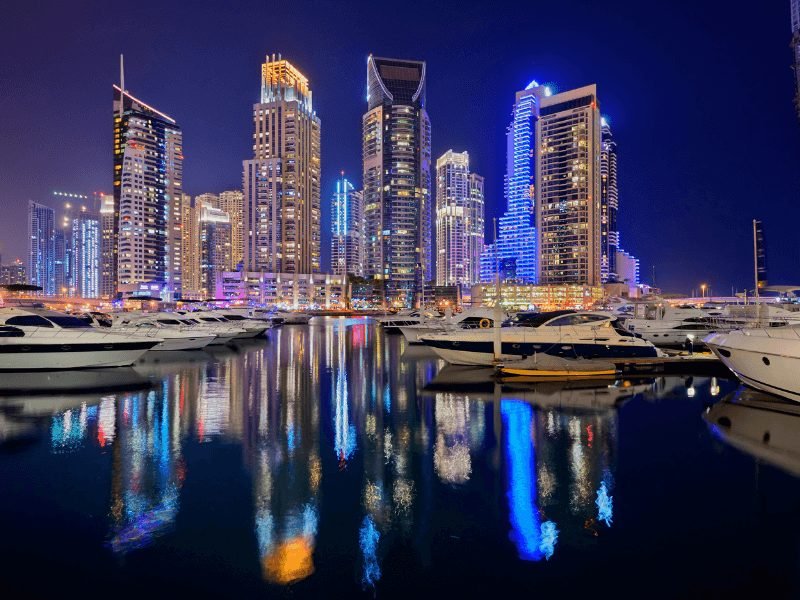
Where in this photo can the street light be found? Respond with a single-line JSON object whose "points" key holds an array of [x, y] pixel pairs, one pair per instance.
{"points": [[703, 288]]}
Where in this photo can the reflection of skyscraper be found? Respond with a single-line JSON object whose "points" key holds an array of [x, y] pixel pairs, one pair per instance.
{"points": [[396, 137], [42, 251], [148, 167], [282, 181]]}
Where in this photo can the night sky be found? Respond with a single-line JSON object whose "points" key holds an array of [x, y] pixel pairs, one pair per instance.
{"points": [[699, 95]]}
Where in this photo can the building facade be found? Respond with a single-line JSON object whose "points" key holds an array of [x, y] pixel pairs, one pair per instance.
{"points": [[347, 230], [107, 264], [190, 247], [459, 221], [282, 182], [42, 248], [148, 171], [523, 296], [512, 254], [628, 268], [215, 246], [609, 204], [86, 240], [289, 290], [396, 137], [568, 188], [232, 202], [13, 274]]}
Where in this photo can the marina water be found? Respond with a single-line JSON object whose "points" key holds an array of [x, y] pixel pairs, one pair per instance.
{"points": [[333, 460]]}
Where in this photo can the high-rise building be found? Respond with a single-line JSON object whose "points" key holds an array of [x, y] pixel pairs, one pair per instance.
{"points": [[396, 137], [62, 261], [232, 202], [513, 253], [208, 199], [86, 240], [282, 181], [459, 221], [215, 246], [107, 262], [148, 171], [13, 274], [609, 204], [568, 188], [795, 13], [42, 250], [347, 230], [190, 247]]}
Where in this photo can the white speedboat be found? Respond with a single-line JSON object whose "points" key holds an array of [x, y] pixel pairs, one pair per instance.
{"points": [[40, 340], [767, 358], [147, 327], [205, 318], [474, 318], [565, 334]]}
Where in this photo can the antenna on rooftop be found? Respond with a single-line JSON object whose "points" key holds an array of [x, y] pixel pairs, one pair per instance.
{"points": [[121, 85]]}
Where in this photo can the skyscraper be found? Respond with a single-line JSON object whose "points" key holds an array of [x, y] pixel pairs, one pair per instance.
{"points": [[107, 262], [232, 202], [282, 181], [609, 204], [215, 246], [347, 230], [42, 251], [148, 167], [459, 220], [86, 242], [396, 137], [568, 188], [190, 247], [795, 12], [513, 253]]}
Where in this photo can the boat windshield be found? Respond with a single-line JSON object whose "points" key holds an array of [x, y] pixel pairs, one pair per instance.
{"points": [[209, 320], [68, 322], [234, 317], [169, 321], [535, 319]]}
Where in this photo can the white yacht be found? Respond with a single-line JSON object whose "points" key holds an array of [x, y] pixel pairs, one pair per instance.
{"points": [[565, 334], [36, 339], [223, 333], [675, 327], [405, 318], [147, 327], [473, 318], [766, 358], [253, 327]]}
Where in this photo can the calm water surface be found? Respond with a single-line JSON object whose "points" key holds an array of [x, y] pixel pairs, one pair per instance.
{"points": [[335, 461]]}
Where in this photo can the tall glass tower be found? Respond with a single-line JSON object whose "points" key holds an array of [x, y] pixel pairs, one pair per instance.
{"points": [[87, 239], [282, 226], [42, 251], [513, 253], [347, 230], [148, 171], [396, 137]]}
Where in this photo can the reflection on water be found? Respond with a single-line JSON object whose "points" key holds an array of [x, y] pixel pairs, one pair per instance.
{"points": [[357, 452]]}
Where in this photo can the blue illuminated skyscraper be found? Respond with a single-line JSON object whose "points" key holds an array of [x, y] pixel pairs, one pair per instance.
{"points": [[514, 251], [87, 238], [347, 230], [609, 204]]}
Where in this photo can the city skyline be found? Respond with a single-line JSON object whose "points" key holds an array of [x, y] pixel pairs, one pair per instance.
{"points": [[653, 196]]}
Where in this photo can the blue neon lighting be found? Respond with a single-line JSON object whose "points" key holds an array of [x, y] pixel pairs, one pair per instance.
{"points": [[605, 505], [368, 538]]}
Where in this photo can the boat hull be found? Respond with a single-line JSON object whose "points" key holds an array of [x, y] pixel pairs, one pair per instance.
{"points": [[33, 356], [481, 353], [187, 343], [767, 363]]}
